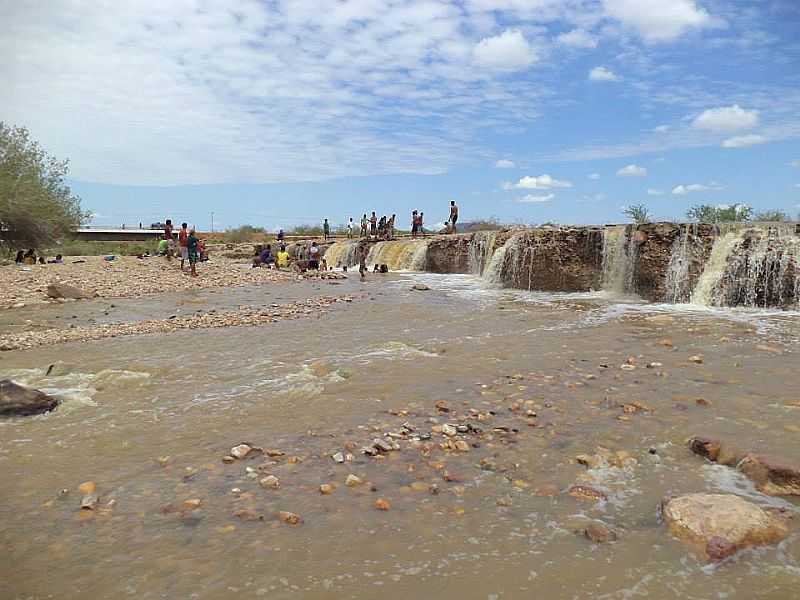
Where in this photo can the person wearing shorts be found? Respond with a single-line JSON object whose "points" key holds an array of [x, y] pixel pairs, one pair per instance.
{"points": [[191, 247], [183, 243]]}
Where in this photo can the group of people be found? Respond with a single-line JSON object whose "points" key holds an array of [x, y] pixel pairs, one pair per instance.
{"points": [[384, 228], [192, 249], [29, 258], [265, 258]]}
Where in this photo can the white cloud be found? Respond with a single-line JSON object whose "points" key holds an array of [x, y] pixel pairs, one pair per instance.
{"points": [[795, 164], [532, 199], [594, 176], [632, 171], [743, 141], [726, 119], [578, 38], [654, 192], [509, 51], [659, 20], [504, 164], [602, 74], [682, 190], [661, 129], [542, 182]]}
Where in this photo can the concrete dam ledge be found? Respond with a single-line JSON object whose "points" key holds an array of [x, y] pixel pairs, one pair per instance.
{"points": [[736, 264]]}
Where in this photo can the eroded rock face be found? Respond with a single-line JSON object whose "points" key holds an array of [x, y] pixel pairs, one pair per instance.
{"points": [[16, 400], [63, 290], [718, 525]]}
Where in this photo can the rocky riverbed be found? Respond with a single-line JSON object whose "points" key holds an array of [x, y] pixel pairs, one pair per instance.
{"points": [[125, 277]]}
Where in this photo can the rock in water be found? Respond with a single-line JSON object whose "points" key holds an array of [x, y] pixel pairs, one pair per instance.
{"points": [[719, 525], [62, 290], [16, 400], [599, 533], [420, 287], [771, 476]]}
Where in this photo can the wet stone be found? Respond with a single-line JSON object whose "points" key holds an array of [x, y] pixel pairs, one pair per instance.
{"points": [[382, 504], [270, 482], [599, 533]]}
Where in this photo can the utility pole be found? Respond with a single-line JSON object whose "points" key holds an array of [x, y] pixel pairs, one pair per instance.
{"points": [[212, 222]]}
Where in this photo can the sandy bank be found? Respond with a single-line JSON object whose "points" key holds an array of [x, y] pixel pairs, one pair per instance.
{"points": [[126, 277], [244, 316]]}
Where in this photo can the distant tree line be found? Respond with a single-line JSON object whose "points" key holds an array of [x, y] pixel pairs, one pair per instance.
{"points": [[707, 213]]}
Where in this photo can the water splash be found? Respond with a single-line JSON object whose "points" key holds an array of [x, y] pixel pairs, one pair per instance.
{"points": [[620, 256], [342, 254], [399, 255]]}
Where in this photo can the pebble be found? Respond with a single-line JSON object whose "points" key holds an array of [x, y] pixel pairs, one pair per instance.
{"points": [[382, 504], [449, 430], [270, 482], [352, 480], [599, 533], [696, 359], [338, 457], [326, 488], [89, 501], [241, 451], [289, 518], [87, 487], [192, 504]]}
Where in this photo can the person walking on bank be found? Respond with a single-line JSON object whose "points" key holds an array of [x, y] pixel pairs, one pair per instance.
{"points": [[169, 238], [183, 243], [453, 215], [191, 246], [326, 230]]}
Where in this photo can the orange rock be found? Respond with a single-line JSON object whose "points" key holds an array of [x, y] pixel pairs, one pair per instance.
{"points": [[87, 487], [382, 504]]}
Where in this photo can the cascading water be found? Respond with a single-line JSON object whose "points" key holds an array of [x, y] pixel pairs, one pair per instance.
{"points": [[342, 254], [481, 248], [687, 253], [706, 292], [619, 259], [399, 255]]}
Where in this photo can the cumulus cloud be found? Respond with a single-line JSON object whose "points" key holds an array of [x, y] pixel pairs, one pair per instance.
{"points": [[632, 171], [542, 182], [602, 74], [509, 51], [682, 190], [743, 141], [726, 119], [659, 20], [654, 192], [578, 38], [594, 176], [504, 164], [533, 199]]}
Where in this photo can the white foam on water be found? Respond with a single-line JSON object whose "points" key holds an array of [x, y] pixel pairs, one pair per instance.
{"points": [[729, 480], [393, 351], [73, 388]]}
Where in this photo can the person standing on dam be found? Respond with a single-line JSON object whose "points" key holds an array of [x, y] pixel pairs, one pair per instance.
{"points": [[453, 216]]}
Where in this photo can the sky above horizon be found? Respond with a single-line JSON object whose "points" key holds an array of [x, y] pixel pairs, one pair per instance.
{"points": [[277, 113]]}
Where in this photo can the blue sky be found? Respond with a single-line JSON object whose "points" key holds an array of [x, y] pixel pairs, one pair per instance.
{"points": [[276, 113]]}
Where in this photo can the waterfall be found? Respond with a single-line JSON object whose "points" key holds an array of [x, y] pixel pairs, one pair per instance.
{"points": [[481, 248], [399, 255], [706, 292], [493, 273], [342, 254], [619, 259], [688, 251], [753, 266]]}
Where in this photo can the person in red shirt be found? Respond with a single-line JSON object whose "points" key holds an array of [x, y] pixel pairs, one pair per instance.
{"points": [[183, 243]]}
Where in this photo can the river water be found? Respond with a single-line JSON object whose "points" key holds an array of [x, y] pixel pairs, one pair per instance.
{"points": [[149, 419]]}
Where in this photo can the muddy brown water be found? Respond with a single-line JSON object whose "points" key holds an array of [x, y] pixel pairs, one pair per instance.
{"points": [[363, 369]]}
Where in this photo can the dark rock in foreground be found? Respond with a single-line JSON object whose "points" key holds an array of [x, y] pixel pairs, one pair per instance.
{"points": [[16, 400]]}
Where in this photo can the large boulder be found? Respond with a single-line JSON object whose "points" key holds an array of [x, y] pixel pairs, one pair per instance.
{"points": [[16, 400], [771, 476], [63, 290], [718, 525]]}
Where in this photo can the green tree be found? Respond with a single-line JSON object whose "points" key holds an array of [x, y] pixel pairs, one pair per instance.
{"points": [[36, 206], [706, 213], [771, 215], [638, 213]]}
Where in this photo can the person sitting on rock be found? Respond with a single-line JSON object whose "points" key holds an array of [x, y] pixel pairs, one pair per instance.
{"points": [[282, 258], [265, 258], [20, 258], [29, 258], [57, 260]]}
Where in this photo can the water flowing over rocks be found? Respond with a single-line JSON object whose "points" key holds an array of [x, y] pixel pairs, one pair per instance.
{"points": [[752, 264], [16, 400], [718, 525]]}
